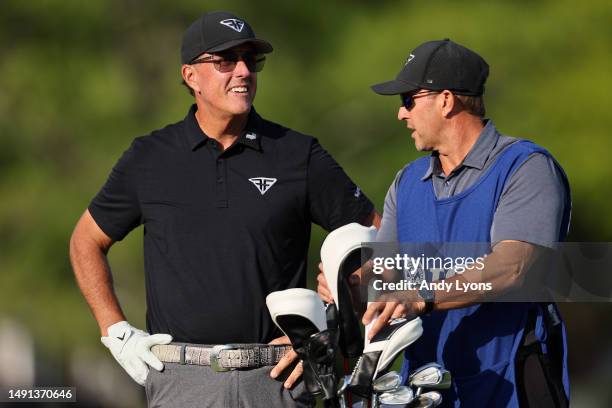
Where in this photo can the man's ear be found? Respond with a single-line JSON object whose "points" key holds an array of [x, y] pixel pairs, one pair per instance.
{"points": [[447, 103], [189, 76]]}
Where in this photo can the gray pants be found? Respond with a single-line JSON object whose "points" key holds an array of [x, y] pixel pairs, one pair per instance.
{"points": [[188, 386]]}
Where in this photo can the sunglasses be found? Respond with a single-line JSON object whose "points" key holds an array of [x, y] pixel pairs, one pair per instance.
{"points": [[408, 98], [227, 62]]}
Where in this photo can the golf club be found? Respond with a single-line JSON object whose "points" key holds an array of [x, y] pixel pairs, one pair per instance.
{"points": [[435, 396], [401, 396], [387, 382], [431, 376]]}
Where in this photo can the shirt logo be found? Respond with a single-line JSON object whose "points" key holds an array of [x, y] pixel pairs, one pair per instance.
{"points": [[233, 23], [357, 192], [251, 136], [263, 184]]}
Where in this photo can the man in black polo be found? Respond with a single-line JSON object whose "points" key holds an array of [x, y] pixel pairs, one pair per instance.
{"points": [[227, 199]]}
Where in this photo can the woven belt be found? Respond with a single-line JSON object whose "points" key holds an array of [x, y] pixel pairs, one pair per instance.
{"points": [[222, 358]]}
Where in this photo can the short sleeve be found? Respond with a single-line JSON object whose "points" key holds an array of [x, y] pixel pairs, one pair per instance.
{"points": [[532, 205], [116, 208], [388, 226], [334, 200]]}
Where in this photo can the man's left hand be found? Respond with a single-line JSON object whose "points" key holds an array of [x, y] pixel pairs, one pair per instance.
{"points": [[287, 360]]}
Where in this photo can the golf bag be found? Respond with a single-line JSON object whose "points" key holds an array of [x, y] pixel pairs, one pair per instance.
{"points": [[317, 332]]}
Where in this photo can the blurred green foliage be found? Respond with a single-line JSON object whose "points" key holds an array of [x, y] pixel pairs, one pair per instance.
{"points": [[80, 79]]}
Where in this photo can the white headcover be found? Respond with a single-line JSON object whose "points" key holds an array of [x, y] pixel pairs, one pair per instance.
{"points": [[399, 340], [300, 302], [337, 246]]}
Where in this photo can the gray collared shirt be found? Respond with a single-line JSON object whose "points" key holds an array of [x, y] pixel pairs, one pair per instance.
{"points": [[532, 203]]}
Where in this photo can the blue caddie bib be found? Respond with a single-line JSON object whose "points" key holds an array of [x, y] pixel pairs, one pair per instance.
{"points": [[478, 344]]}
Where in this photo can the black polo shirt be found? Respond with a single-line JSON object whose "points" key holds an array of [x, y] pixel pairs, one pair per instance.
{"points": [[222, 229]]}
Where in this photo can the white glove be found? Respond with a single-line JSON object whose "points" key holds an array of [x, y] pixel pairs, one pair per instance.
{"points": [[132, 349]]}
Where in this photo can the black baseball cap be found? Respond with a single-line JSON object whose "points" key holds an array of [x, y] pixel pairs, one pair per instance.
{"points": [[439, 65], [217, 31]]}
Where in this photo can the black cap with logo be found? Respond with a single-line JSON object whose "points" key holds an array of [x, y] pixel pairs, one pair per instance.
{"points": [[217, 31], [439, 65]]}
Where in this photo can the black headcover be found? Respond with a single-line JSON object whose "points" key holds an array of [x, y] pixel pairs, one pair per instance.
{"points": [[300, 314], [351, 339], [318, 354]]}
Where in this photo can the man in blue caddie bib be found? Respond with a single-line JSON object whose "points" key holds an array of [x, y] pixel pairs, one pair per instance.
{"points": [[476, 186]]}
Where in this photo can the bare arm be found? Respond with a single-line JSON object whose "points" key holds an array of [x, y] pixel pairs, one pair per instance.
{"points": [[88, 248], [505, 269]]}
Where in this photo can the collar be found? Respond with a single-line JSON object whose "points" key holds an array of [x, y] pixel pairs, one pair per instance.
{"points": [[476, 157], [250, 136]]}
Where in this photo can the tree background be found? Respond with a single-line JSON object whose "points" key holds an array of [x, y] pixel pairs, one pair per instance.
{"points": [[79, 80]]}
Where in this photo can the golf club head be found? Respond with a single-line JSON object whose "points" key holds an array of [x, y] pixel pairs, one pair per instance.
{"points": [[401, 396], [435, 396], [341, 256], [421, 401], [431, 376], [387, 382], [381, 351]]}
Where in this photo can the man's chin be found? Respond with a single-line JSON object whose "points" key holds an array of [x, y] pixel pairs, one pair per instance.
{"points": [[421, 148], [240, 109], [418, 144]]}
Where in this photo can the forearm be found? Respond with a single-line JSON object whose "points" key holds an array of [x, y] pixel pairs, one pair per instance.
{"points": [[504, 270], [93, 275]]}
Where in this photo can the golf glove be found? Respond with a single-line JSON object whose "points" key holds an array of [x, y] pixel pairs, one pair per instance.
{"points": [[132, 349]]}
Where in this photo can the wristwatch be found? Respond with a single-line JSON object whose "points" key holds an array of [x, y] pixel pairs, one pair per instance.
{"points": [[429, 296]]}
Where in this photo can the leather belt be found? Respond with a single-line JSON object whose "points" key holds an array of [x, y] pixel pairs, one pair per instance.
{"points": [[222, 357]]}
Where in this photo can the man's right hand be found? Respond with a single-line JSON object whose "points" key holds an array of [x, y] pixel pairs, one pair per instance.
{"points": [[323, 290], [132, 349], [387, 308]]}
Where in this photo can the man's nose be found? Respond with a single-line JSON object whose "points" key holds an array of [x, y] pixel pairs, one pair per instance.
{"points": [[241, 69], [402, 113]]}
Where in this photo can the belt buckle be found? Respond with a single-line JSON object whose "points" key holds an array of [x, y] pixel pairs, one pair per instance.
{"points": [[215, 364]]}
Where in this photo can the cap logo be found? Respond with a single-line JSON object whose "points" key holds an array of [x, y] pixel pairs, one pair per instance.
{"points": [[410, 58], [233, 23]]}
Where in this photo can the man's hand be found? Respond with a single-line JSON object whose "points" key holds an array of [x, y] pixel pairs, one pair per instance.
{"points": [[285, 362], [390, 308], [132, 349], [323, 290]]}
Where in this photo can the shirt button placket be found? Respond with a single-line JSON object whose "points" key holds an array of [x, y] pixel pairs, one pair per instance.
{"points": [[221, 183]]}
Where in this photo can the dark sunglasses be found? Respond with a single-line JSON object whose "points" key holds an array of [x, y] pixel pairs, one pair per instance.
{"points": [[408, 98], [227, 62]]}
